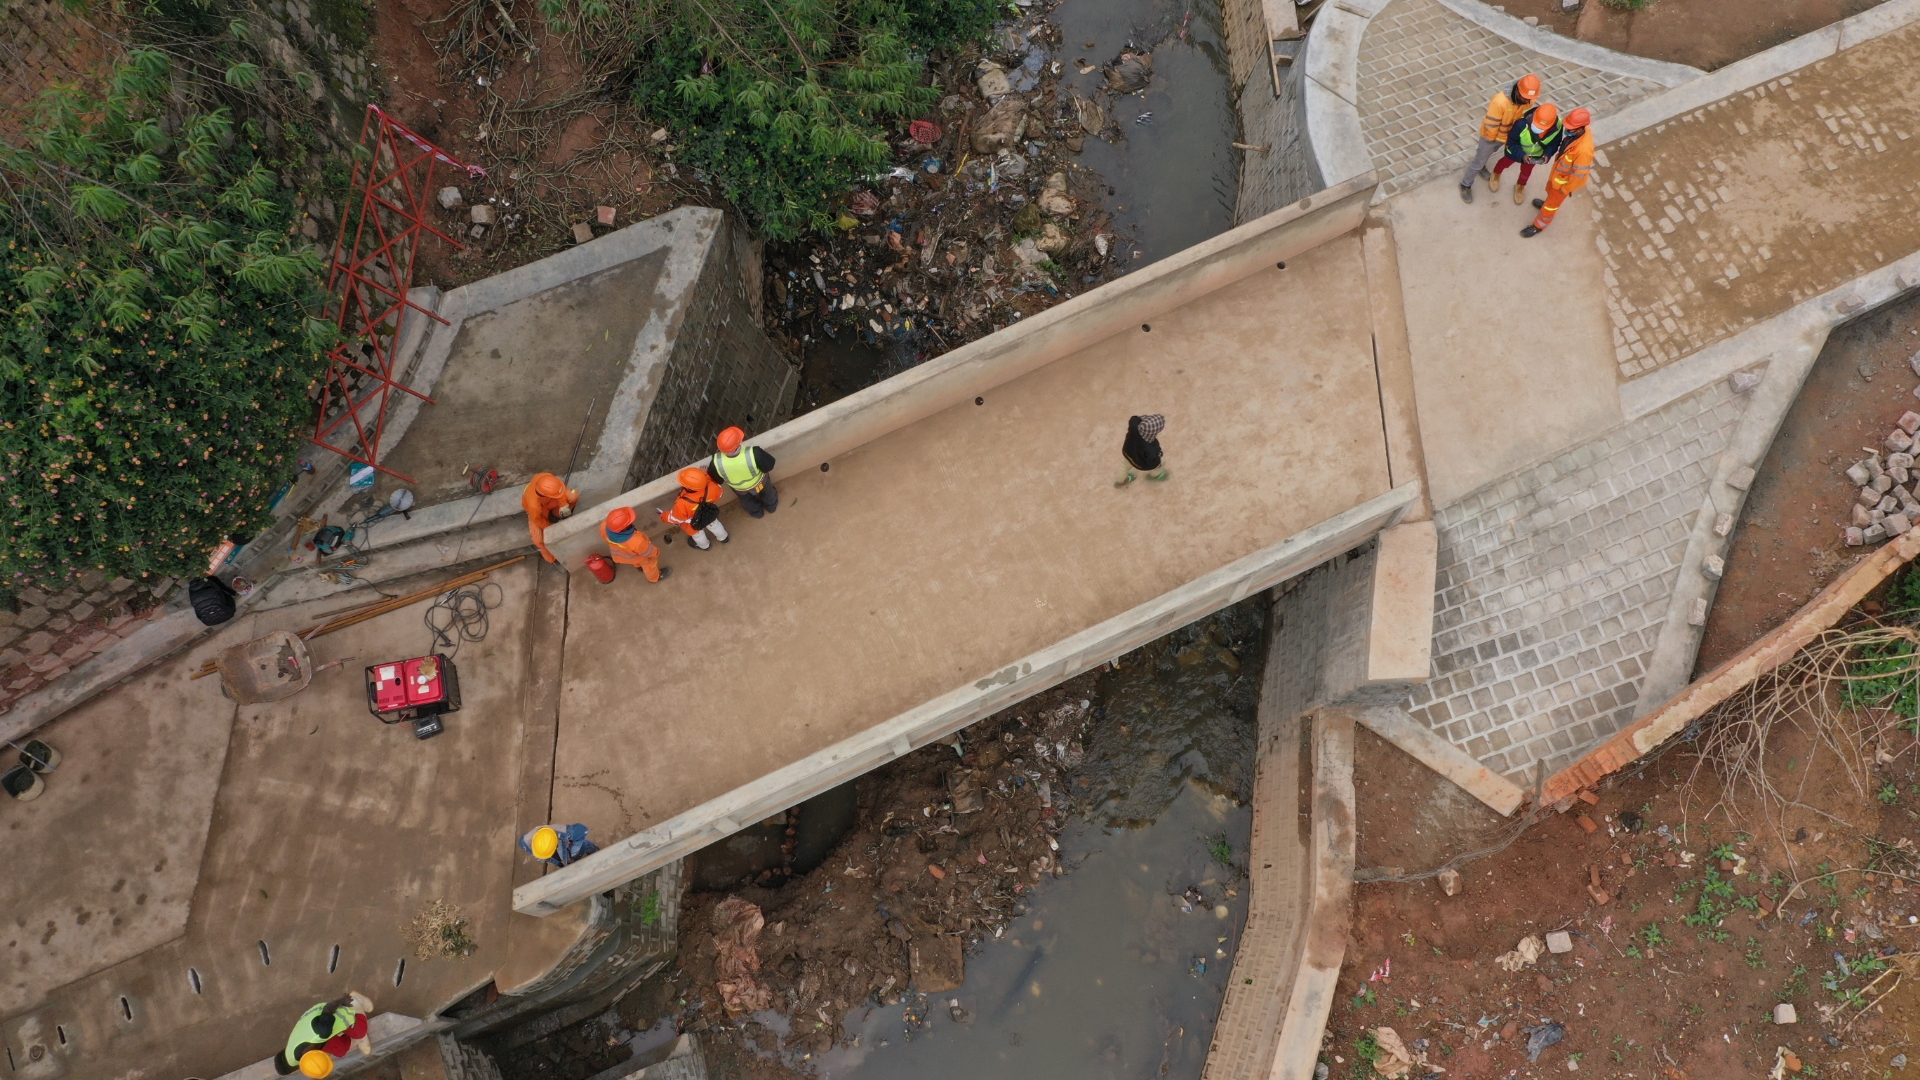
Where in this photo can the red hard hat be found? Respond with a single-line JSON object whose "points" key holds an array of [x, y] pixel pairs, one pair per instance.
{"points": [[620, 519], [1579, 118], [730, 440], [693, 479], [1529, 87], [1544, 115], [549, 486]]}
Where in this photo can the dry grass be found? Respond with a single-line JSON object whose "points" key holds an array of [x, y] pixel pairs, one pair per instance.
{"points": [[439, 931]]}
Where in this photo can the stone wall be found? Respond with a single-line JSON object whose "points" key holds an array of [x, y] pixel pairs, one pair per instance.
{"points": [[323, 45], [724, 370], [1284, 172], [41, 43]]}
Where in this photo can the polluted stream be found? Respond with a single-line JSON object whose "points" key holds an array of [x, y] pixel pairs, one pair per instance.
{"points": [[1128, 104]]}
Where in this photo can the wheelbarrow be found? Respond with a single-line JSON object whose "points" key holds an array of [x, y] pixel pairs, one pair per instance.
{"points": [[265, 669]]}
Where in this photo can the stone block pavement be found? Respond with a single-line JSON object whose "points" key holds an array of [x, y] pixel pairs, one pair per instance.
{"points": [[1724, 216], [1425, 75], [1554, 582]]}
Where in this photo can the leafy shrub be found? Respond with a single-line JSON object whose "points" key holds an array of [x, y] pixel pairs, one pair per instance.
{"points": [[785, 103], [156, 338]]}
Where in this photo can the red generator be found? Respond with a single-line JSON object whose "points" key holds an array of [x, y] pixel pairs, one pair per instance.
{"points": [[421, 690]]}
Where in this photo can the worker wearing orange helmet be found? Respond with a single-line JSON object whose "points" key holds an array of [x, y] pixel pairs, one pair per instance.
{"points": [[547, 499], [744, 469], [697, 509], [1507, 106], [1572, 168], [324, 1032], [1533, 140], [631, 547]]}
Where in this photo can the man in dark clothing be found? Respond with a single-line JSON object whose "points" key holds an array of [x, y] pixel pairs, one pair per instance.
{"points": [[1142, 448]]}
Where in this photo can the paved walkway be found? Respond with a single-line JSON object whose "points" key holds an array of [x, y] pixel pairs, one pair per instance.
{"points": [[1717, 219], [1425, 74]]}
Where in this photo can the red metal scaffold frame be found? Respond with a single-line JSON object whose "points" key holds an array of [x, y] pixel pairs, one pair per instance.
{"points": [[384, 240]]}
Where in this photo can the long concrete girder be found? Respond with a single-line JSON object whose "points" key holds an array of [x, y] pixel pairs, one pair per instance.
{"points": [[927, 571]]}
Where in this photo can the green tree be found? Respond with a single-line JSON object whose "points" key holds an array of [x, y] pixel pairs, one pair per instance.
{"points": [[786, 103], [157, 329]]}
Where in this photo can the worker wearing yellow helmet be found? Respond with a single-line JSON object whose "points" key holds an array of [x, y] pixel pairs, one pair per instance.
{"points": [[558, 844], [328, 1030]]}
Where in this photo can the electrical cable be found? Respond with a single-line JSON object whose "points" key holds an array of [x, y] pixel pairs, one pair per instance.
{"points": [[461, 615]]}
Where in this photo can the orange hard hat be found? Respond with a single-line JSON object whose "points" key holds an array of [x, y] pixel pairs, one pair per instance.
{"points": [[693, 479], [1529, 86], [730, 440], [620, 519], [1579, 118], [1544, 115], [549, 486]]}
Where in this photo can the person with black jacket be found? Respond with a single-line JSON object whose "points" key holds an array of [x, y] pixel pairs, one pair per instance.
{"points": [[1142, 449]]}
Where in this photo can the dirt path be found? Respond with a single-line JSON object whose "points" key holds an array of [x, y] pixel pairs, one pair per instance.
{"points": [[1706, 34], [1675, 976], [1787, 546]]}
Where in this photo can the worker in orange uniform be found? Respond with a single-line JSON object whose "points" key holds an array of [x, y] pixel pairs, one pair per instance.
{"points": [[1502, 111], [631, 547], [1571, 170], [546, 499], [1533, 140], [696, 511]]}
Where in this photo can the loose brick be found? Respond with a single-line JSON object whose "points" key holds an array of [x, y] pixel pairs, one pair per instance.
{"points": [[38, 643], [92, 580], [1586, 824], [81, 612], [120, 584], [31, 618]]}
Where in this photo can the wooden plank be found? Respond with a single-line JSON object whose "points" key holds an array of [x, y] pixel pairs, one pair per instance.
{"points": [[1283, 24]]}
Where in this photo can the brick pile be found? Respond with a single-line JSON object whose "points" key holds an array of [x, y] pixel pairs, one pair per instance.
{"points": [[1887, 504], [50, 635]]}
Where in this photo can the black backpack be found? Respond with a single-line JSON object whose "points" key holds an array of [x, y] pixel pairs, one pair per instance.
{"points": [[212, 600]]}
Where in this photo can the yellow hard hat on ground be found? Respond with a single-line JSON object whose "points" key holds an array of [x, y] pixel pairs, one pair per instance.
{"points": [[317, 1064], [545, 842]]}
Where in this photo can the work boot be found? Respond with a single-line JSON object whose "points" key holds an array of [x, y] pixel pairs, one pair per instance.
{"points": [[1493, 181], [1466, 193], [665, 573], [1531, 231], [1519, 193], [1539, 204], [1125, 480]]}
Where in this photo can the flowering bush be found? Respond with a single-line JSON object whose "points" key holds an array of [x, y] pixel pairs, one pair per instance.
{"points": [[157, 336]]}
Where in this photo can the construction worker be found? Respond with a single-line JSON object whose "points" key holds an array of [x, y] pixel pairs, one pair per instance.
{"points": [[1506, 107], [745, 471], [695, 511], [631, 547], [1572, 167], [1534, 139], [559, 846], [326, 1031], [546, 499]]}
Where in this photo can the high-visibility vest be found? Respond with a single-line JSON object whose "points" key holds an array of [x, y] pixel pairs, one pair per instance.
{"points": [[305, 1037], [738, 470], [1535, 146], [630, 551]]}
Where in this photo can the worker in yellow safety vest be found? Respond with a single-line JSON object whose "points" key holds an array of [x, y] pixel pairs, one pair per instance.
{"points": [[324, 1032], [744, 469]]}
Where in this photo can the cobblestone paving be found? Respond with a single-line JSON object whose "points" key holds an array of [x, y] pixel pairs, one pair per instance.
{"points": [[1425, 75], [1553, 584], [1730, 214]]}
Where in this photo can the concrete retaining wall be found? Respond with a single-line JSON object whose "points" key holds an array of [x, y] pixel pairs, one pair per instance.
{"points": [[1272, 118], [999, 358]]}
